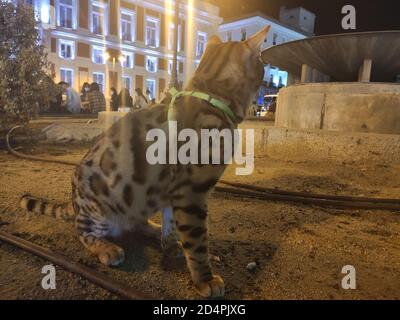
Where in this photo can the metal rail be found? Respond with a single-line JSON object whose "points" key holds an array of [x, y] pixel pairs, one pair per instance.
{"points": [[308, 195], [307, 200], [93, 276]]}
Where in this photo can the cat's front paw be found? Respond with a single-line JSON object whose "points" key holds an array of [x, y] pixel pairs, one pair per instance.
{"points": [[215, 288], [112, 256]]}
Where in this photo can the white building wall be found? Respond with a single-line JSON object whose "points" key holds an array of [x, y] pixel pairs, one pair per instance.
{"points": [[205, 19], [278, 34]]}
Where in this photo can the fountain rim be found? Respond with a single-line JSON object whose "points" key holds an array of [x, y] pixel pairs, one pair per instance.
{"points": [[328, 36]]}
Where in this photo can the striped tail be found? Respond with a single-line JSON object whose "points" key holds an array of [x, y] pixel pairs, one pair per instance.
{"points": [[42, 206]]}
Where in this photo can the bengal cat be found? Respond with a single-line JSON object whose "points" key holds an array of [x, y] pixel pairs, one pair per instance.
{"points": [[115, 189]]}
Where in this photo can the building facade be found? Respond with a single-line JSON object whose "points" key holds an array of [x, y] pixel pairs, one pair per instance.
{"points": [[242, 28], [123, 43], [299, 18]]}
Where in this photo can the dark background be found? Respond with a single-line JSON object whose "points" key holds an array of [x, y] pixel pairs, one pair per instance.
{"points": [[372, 15]]}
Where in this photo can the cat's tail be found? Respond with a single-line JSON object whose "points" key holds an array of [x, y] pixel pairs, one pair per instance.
{"points": [[41, 206]]}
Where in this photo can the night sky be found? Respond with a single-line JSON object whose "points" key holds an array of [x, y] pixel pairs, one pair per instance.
{"points": [[372, 15]]}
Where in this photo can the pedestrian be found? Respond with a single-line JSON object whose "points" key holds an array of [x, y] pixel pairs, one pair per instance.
{"points": [[114, 100], [85, 98], [63, 97], [140, 100], [149, 96], [56, 104], [97, 102], [125, 100], [73, 103], [152, 103]]}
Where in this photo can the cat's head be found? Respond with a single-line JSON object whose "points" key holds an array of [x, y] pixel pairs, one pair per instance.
{"points": [[232, 70]]}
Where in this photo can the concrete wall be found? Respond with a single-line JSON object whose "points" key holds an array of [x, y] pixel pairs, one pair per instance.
{"points": [[351, 107], [328, 146]]}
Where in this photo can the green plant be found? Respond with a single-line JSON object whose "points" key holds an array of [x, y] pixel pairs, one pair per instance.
{"points": [[25, 81]]}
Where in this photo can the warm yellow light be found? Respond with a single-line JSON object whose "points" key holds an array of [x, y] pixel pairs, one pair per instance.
{"points": [[106, 56], [169, 6], [190, 40]]}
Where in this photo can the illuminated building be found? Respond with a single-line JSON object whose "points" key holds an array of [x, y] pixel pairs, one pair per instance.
{"points": [[123, 43]]}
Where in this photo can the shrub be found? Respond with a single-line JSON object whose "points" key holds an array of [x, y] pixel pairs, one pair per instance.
{"points": [[25, 81]]}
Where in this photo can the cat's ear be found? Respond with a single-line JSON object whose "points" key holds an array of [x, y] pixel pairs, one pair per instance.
{"points": [[214, 40], [256, 41]]}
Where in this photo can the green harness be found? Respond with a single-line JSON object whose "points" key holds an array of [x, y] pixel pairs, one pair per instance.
{"points": [[218, 104]]}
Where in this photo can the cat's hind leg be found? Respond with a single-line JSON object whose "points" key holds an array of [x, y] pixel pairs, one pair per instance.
{"points": [[92, 235]]}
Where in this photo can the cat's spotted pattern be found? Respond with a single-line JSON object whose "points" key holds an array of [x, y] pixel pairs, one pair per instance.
{"points": [[114, 189]]}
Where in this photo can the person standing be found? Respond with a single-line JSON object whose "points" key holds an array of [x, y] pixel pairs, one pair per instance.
{"points": [[56, 103], [114, 100], [73, 104], [125, 100], [97, 102], [149, 95], [152, 103], [140, 100], [63, 97], [85, 97]]}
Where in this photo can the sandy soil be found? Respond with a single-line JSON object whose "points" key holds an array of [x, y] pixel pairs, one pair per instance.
{"points": [[299, 250]]}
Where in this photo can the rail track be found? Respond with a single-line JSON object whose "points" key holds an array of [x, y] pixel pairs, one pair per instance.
{"points": [[98, 278], [347, 202]]}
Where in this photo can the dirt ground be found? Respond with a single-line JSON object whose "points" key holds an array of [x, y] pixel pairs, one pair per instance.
{"points": [[299, 250]]}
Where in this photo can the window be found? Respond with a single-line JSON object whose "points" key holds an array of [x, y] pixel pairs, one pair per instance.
{"points": [[229, 36], [99, 18], [127, 83], [66, 14], [171, 35], [151, 64], [201, 43], [67, 75], [243, 32], [275, 39], [151, 87], [98, 77], [66, 49], [98, 55], [127, 26], [127, 60], [152, 32]]}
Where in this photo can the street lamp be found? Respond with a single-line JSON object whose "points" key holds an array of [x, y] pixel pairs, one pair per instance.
{"points": [[106, 56], [174, 74], [121, 59]]}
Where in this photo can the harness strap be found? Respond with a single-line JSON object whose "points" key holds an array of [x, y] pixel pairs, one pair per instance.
{"points": [[216, 103]]}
